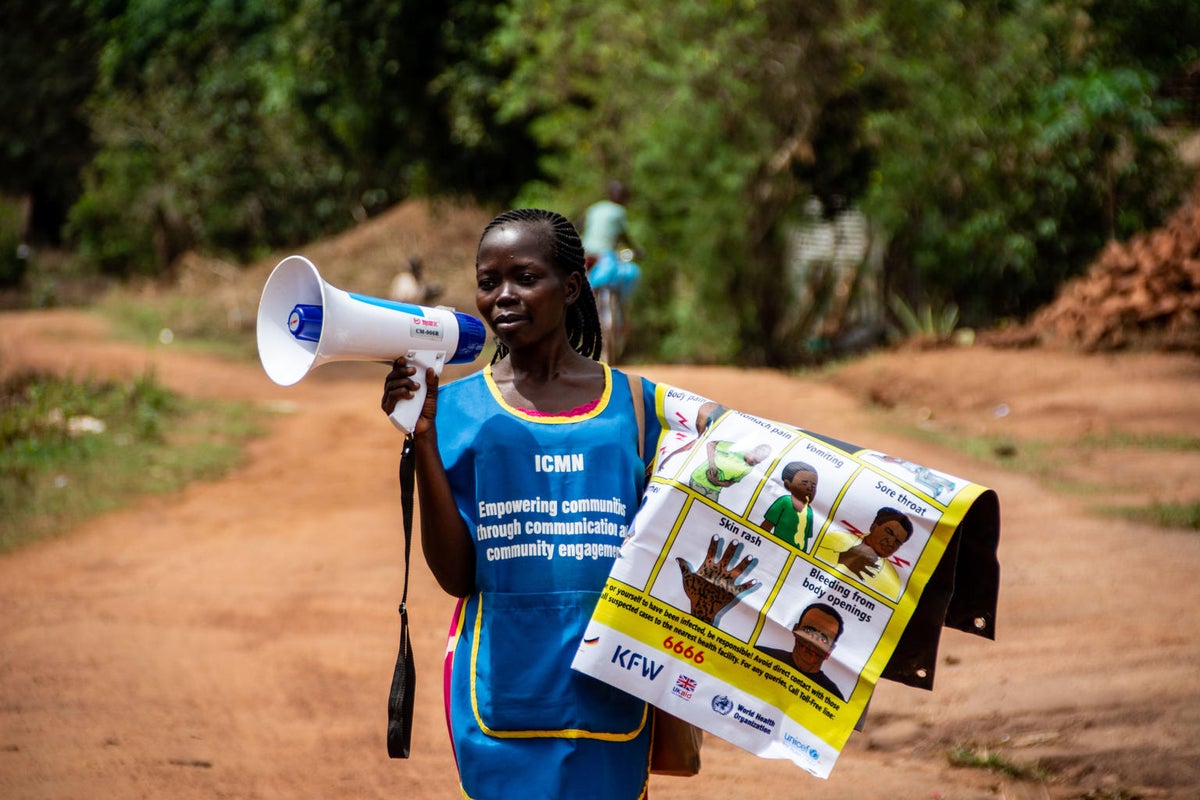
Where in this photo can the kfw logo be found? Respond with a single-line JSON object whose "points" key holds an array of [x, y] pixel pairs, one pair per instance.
{"points": [[627, 659]]}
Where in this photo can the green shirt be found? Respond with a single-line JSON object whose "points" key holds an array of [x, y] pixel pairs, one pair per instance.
{"points": [[782, 514], [731, 466]]}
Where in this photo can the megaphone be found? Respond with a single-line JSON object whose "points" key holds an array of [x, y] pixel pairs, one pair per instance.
{"points": [[303, 322]]}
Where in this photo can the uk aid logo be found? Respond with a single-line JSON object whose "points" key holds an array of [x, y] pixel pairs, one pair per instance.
{"points": [[684, 687]]}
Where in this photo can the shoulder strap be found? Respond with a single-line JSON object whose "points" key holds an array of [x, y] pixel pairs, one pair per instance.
{"points": [[639, 412]]}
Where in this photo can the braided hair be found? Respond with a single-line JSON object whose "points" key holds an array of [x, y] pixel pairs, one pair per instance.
{"points": [[566, 254]]}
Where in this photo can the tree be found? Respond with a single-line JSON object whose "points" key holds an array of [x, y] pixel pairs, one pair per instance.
{"points": [[1161, 37], [193, 154], [48, 58], [998, 143], [241, 126], [703, 109], [1007, 149], [994, 143], [365, 75]]}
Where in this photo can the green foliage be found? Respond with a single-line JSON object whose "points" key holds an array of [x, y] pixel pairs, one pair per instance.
{"points": [[997, 144], [69, 449], [702, 110], [938, 325], [367, 76], [1008, 150], [193, 154], [1161, 36], [242, 127]]}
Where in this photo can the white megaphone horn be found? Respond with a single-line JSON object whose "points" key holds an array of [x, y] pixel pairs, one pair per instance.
{"points": [[303, 322]]}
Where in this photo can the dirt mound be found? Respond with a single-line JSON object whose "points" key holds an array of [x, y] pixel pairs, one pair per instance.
{"points": [[442, 235], [1144, 292]]}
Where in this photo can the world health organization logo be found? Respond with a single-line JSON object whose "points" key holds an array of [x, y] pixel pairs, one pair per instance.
{"points": [[722, 704]]}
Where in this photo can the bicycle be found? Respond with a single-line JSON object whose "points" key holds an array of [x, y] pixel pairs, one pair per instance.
{"points": [[615, 276]]}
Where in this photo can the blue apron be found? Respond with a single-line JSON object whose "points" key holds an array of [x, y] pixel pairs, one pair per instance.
{"points": [[548, 501]]}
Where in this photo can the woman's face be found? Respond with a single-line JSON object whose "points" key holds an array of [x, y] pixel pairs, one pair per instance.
{"points": [[518, 290]]}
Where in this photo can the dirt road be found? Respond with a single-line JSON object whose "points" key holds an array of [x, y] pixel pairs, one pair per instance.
{"points": [[237, 639]]}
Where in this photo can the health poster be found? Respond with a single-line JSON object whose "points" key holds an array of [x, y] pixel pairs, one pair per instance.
{"points": [[767, 578]]}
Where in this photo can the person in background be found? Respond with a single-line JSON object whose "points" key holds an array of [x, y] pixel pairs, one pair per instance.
{"points": [[605, 229], [612, 272], [409, 285]]}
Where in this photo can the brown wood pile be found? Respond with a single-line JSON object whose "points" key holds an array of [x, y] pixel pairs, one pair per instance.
{"points": [[1141, 293]]}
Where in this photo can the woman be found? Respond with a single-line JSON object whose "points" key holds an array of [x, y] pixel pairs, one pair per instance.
{"points": [[528, 475]]}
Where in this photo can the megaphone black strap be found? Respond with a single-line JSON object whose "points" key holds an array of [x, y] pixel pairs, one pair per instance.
{"points": [[407, 471], [401, 701]]}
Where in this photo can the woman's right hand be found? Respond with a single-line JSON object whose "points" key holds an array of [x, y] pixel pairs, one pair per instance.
{"points": [[399, 387]]}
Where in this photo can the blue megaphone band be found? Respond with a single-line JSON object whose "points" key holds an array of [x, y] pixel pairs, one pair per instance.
{"points": [[306, 321], [471, 338], [407, 308]]}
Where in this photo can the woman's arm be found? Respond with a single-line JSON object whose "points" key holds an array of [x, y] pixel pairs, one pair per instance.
{"points": [[447, 544]]}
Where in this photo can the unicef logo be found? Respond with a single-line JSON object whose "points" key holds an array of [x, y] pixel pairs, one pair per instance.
{"points": [[722, 704], [800, 747]]}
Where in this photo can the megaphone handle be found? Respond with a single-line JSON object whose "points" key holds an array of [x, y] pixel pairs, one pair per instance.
{"points": [[405, 415]]}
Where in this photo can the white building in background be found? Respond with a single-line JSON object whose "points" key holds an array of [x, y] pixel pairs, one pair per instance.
{"points": [[836, 270]]}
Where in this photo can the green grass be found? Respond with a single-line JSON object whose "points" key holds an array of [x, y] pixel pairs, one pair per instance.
{"points": [[1029, 457], [69, 450], [1165, 515], [1045, 461], [1164, 443], [180, 321], [992, 761]]}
